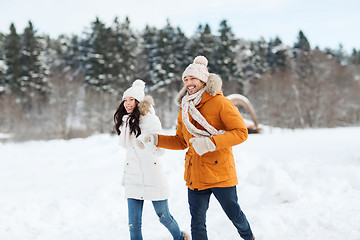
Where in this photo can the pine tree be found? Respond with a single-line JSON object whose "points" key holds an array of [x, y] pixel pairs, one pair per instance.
{"points": [[34, 81], [122, 56], [207, 44], [168, 65], [12, 51], [33, 77], [306, 84], [68, 51], [203, 43], [252, 62], [95, 51], [148, 49], [194, 44], [302, 42], [225, 53], [165, 59], [74, 55], [340, 54], [259, 57], [181, 53], [3, 66], [354, 59], [277, 54]]}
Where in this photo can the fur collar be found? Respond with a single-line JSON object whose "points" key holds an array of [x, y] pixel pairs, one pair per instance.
{"points": [[213, 86], [146, 105]]}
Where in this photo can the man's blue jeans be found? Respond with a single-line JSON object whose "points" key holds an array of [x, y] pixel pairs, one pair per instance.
{"points": [[227, 197], [135, 209]]}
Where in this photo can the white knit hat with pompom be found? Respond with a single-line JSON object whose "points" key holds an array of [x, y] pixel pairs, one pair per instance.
{"points": [[136, 90], [198, 69]]}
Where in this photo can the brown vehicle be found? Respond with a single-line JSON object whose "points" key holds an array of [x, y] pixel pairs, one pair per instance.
{"points": [[247, 111]]}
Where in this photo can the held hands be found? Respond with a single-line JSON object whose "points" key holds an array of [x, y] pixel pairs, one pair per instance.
{"points": [[149, 142], [202, 145]]}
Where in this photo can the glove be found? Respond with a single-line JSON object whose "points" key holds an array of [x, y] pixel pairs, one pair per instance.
{"points": [[149, 142], [202, 145], [139, 144]]}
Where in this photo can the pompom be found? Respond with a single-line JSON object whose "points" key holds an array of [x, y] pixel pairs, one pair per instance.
{"points": [[201, 60], [139, 83]]}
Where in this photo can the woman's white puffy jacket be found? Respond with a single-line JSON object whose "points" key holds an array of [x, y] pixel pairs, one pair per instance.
{"points": [[144, 177]]}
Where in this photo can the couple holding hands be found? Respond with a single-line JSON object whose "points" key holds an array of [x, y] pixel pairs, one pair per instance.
{"points": [[208, 125]]}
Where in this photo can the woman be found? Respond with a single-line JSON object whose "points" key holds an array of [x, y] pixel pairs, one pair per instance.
{"points": [[144, 178]]}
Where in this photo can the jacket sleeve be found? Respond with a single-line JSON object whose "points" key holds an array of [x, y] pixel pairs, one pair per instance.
{"points": [[176, 142], [153, 126], [235, 127]]}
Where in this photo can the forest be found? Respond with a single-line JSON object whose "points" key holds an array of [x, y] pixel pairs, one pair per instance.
{"points": [[70, 86]]}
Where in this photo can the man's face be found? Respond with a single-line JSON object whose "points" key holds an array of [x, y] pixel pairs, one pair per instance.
{"points": [[193, 84]]}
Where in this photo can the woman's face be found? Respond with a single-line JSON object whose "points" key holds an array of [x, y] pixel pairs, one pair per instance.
{"points": [[129, 104]]}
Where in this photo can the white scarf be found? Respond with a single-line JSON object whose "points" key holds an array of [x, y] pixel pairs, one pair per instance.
{"points": [[125, 132], [188, 105]]}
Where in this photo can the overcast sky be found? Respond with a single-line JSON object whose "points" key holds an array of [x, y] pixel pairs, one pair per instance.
{"points": [[326, 23]]}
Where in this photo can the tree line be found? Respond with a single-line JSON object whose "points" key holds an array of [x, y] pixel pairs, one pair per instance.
{"points": [[69, 86]]}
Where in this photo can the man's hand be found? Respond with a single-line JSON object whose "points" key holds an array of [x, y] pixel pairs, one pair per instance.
{"points": [[202, 145]]}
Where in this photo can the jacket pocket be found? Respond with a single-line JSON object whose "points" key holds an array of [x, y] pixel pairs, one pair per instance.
{"points": [[214, 170]]}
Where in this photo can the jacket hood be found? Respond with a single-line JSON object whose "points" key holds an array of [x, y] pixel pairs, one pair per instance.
{"points": [[146, 105], [213, 86]]}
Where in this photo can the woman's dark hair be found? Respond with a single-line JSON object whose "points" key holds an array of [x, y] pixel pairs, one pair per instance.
{"points": [[134, 119]]}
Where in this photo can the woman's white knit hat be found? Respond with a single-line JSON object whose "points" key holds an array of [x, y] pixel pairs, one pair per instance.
{"points": [[198, 69], [136, 90]]}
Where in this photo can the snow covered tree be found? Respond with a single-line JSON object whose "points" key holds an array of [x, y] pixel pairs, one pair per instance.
{"points": [[259, 58], [109, 55], [164, 57], [10, 110], [122, 56], [194, 44], [95, 48], [277, 54], [168, 61], [3, 66], [73, 56], [226, 67], [147, 52], [181, 53], [12, 52], [203, 42], [251, 61], [68, 52], [33, 76]]}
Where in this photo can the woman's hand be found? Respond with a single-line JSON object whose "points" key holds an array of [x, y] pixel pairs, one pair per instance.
{"points": [[149, 142]]}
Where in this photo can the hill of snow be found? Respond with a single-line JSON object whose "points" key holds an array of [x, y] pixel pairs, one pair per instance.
{"points": [[302, 184]]}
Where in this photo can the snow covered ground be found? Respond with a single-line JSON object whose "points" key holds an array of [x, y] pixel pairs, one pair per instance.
{"points": [[302, 184]]}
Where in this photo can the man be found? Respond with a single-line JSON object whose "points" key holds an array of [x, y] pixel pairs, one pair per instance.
{"points": [[209, 125]]}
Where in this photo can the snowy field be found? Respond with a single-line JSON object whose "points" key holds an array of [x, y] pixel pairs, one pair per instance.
{"points": [[293, 185]]}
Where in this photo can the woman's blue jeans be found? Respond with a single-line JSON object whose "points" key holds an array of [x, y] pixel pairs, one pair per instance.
{"points": [[135, 209], [227, 197]]}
